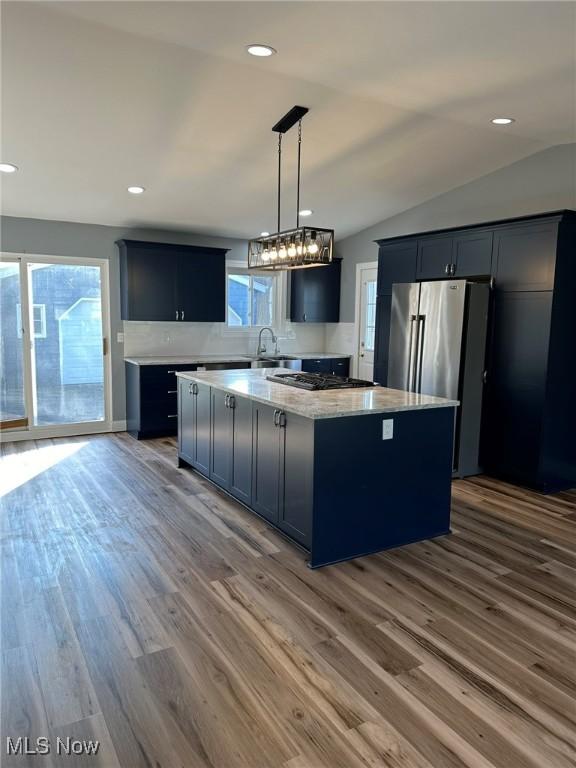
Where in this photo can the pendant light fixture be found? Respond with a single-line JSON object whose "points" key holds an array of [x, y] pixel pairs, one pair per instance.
{"points": [[299, 247]]}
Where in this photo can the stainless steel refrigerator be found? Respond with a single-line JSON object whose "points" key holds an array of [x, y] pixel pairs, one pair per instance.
{"points": [[437, 347]]}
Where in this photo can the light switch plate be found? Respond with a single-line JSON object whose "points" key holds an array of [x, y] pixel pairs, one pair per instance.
{"points": [[387, 429], [120, 338]]}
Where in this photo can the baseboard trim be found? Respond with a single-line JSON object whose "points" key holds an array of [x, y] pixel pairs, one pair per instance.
{"points": [[47, 433]]}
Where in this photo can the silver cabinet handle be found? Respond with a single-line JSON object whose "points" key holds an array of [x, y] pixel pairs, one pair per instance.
{"points": [[231, 402], [281, 419], [485, 377], [174, 372], [304, 317], [276, 416], [172, 415], [447, 269], [182, 315], [172, 391], [227, 401], [194, 388], [176, 314], [190, 389]]}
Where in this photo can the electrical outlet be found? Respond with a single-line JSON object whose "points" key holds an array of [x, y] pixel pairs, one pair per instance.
{"points": [[120, 338], [387, 429]]}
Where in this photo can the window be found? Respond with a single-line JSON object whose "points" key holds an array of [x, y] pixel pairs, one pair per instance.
{"points": [[252, 298], [370, 324], [39, 319]]}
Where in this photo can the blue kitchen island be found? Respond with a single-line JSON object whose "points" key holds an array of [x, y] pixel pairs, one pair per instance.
{"points": [[342, 473]]}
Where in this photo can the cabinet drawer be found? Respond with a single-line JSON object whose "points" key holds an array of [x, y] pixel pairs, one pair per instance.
{"points": [[158, 380], [340, 367], [159, 415], [323, 365]]}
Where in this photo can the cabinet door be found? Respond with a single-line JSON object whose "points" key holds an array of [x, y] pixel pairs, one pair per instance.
{"points": [[201, 293], [296, 473], [525, 257], [322, 365], [340, 366], [241, 471], [186, 421], [396, 264], [514, 403], [315, 294], [473, 254], [265, 462], [148, 284], [435, 255], [382, 338], [202, 436], [221, 444]]}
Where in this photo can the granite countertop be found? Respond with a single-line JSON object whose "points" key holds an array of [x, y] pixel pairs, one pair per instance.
{"points": [[252, 383], [229, 358]]}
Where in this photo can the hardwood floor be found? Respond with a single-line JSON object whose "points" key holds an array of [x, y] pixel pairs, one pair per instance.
{"points": [[144, 609]]}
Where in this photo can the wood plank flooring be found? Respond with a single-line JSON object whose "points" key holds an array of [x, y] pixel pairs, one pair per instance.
{"points": [[144, 609]]}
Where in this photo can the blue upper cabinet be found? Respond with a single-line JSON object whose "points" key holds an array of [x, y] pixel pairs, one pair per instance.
{"points": [[315, 294], [167, 282], [396, 264]]}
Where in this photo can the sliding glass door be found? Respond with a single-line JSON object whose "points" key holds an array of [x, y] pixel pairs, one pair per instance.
{"points": [[58, 380]]}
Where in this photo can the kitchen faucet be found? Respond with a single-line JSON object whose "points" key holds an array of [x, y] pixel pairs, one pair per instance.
{"points": [[262, 347]]}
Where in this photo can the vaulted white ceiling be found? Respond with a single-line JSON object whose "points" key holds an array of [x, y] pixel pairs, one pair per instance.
{"points": [[100, 95]]}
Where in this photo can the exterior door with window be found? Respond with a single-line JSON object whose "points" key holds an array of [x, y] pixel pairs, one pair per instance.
{"points": [[367, 322]]}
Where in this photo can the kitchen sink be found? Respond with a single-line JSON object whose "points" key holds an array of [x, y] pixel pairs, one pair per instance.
{"points": [[277, 361]]}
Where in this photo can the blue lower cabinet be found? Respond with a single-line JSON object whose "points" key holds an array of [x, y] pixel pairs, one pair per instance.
{"points": [[338, 366], [151, 399], [194, 425], [231, 444]]}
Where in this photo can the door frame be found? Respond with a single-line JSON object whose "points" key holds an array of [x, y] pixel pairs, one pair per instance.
{"points": [[357, 302], [60, 430]]}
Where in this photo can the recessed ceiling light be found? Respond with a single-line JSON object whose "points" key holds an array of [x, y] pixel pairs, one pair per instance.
{"points": [[8, 167], [258, 49], [503, 120], [306, 212], [264, 234], [136, 190]]}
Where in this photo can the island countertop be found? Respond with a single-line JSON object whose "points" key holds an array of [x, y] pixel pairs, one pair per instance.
{"points": [[324, 404]]}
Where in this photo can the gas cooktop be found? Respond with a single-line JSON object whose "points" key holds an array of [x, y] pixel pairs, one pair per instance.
{"points": [[317, 381]]}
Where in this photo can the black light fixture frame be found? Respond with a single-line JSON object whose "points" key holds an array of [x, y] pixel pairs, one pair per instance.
{"points": [[296, 248]]}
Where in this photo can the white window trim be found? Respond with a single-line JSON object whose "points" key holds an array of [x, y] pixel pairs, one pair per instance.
{"points": [[42, 307], [280, 324]]}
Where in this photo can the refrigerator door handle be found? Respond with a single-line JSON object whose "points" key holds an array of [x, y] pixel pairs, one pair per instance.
{"points": [[419, 353], [411, 361]]}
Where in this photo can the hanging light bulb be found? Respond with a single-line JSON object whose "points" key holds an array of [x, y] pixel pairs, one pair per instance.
{"points": [[299, 248], [274, 252], [266, 253], [292, 249], [282, 252], [313, 247]]}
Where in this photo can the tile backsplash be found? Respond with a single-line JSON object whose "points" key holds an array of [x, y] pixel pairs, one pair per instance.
{"points": [[142, 338]]}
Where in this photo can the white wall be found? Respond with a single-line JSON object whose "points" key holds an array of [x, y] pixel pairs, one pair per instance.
{"points": [[545, 181]]}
